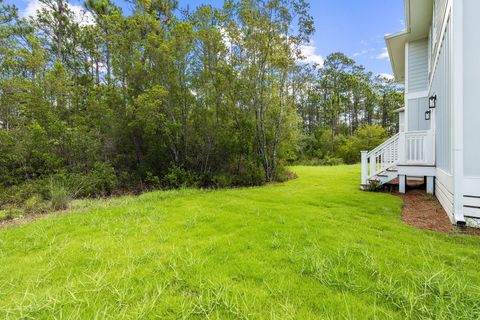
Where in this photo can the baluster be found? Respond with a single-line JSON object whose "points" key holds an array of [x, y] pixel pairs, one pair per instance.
{"points": [[373, 159], [410, 149], [415, 149], [422, 149]]}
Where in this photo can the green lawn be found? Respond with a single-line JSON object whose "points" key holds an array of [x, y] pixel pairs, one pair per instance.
{"points": [[312, 248]]}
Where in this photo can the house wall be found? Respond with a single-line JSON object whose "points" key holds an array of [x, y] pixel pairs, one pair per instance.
{"points": [[471, 88], [416, 84], [416, 114], [471, 109], [439, 11], [417, 66], [442, 87]]}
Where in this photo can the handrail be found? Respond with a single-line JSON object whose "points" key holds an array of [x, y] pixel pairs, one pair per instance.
{"points": [[384, 156], [425, 132], [384, 144], [404, 148], [419, 147]]}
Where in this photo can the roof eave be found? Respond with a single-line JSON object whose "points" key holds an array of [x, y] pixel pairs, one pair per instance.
{"points": [[396, 52], [396, 42]]}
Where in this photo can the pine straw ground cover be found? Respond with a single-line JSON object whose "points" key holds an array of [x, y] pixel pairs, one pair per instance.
{"points": [[312, 248], [424, 211]]}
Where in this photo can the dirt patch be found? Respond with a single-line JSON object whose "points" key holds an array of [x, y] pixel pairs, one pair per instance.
{"points": [[28, 218], [423, 211]]}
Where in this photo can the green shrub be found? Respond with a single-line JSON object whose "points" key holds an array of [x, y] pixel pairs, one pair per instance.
{"points": [[152, 180], [327, 161], [222, 180], [178, 177], [35, 204], [331, 161], [59, 195], [247, 173], [284, 175], [9, 213], [373, 185], [18, 194], [102, 179]]}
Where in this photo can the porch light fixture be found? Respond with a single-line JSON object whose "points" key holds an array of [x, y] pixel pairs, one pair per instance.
{"points": [[428, 115], [432, 101]]}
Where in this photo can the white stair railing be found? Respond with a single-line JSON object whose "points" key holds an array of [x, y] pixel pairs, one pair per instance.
{"points": [[419, 148], [380, 158], [404, 148]]}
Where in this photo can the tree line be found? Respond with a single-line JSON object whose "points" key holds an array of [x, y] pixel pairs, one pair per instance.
{"points": [[167, 97]]}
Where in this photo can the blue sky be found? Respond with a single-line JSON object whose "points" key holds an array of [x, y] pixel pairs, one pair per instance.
{"points": [[354, 27]]}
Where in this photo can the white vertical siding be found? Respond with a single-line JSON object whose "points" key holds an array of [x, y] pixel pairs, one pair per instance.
{"points": [[444, 191], [471, 112], [471, 88], [442, 87], [416, 114], [439, 12], [417, 65]]}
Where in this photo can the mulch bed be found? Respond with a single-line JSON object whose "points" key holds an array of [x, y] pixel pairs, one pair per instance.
{"points": [[424, 211]]}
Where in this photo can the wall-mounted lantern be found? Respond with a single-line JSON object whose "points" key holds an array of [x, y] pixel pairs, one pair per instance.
{"points": [[432, 101], [428, 115]]}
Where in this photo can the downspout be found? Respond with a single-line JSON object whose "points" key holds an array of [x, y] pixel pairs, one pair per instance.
{"points": [[457, 108]]}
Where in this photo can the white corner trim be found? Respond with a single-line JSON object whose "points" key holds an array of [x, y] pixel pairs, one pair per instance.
{"points": [[446, 18], [406, 87], [457, 103]]}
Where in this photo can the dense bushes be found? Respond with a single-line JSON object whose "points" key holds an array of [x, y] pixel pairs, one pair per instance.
{"points": [[322, 149], [56, 190], [160, 98]]}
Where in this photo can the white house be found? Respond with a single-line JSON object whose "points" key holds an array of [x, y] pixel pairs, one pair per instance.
{"points": [[437, 58]]}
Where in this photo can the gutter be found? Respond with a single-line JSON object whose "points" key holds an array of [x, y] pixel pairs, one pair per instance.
{"points": [[458, 102], [460, 220]]}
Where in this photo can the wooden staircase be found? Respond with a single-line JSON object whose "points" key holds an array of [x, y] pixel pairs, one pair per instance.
{"points": [[382, 161], [385, 176], [406, 155]]}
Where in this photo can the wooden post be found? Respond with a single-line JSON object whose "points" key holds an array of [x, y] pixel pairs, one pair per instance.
{"points": [[373, 165], [364, 167], [430, 182], [402, 157], [430, 148], [402, 183]]}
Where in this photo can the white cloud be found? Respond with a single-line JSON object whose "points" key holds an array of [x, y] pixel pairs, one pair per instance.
{"points": [[310, 55], [383, 55], [81, 16], [31, 10], [363, 52], [387, 76]]}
